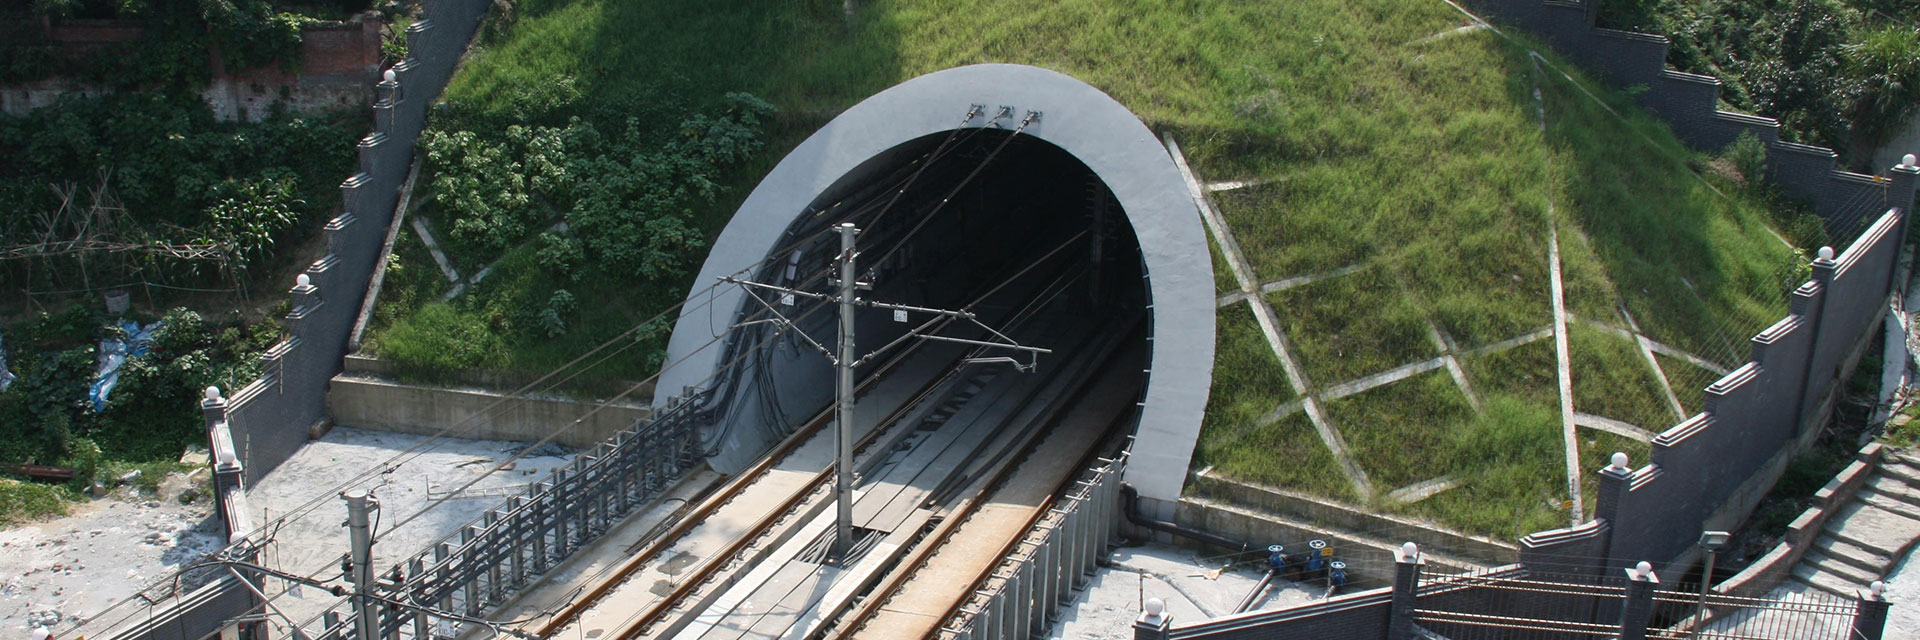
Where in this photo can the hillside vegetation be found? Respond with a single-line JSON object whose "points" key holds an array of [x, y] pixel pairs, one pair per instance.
{"points": [[1411, 165]]}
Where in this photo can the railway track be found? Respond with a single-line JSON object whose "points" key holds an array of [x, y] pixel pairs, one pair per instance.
{"points": [[703, 563]]}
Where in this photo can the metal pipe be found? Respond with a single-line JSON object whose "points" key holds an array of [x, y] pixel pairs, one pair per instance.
{"points": [[1254, 595]]}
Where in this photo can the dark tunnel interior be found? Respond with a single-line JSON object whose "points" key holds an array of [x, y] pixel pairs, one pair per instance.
{"points": [[1002, 224]]}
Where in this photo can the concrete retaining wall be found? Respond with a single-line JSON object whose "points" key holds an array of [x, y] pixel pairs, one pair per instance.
{"points": [[1389, 528], [1369, 561], [385, 405]]}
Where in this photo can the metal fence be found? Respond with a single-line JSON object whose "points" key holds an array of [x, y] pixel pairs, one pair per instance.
{"points": [[445, 590], [1045, 569], [1504, 603], [1808, 615]]}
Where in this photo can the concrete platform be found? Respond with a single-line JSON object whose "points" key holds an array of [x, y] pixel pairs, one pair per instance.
{"points": [[1185, 581]]}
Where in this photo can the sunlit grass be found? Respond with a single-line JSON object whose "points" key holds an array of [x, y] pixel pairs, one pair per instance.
{"points": [[1421, 161]]}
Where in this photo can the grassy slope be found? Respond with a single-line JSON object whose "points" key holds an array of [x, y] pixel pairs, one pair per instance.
{"points": [[1420, 159]]}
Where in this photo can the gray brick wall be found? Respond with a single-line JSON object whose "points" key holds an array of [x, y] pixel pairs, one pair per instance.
{"points": [[270, 417]]}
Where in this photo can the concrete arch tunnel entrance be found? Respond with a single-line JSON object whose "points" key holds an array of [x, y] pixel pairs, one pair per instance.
{"points": [[1082, 207]]}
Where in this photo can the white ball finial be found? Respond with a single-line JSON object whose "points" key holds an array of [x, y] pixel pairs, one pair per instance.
{"points": [[1409, 551], [1825, 253], [303, 280], [1908, 160], [1619, 461], [1155, 607], [388, 76], [1643, 567], [40, 633], [1878, 588], [213, 393]]}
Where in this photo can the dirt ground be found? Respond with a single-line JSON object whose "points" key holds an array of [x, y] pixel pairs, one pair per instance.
{"points": [[61, 571], [103, 551]]}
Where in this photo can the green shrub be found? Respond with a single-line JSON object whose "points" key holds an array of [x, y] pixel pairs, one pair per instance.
{"points": [[440, 338], [1748, 155], [28, 501], [1887, 62]]}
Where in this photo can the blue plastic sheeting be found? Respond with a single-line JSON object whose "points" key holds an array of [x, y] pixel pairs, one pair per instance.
{"points": [[6, 377], [113, 354]]}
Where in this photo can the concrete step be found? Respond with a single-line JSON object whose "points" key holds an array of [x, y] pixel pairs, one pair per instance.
{"points": [[1825, 581], [1872, 527], [1901, 465], [1841, 568], [1853, 554], [1895, 487], [1888, 502]]}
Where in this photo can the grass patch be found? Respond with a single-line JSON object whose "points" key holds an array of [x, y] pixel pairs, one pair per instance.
{"points": [[525, 318], [1589, 291], [1612, 379], [1394, 431], [1525, 373], [1283, 245], [1287, 452], [22, 502], [1698, 269], [1507, 459], [1246, 361], [412, 280], [1352, 326]]}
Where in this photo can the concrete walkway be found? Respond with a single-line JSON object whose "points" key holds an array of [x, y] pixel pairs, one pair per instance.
{"points": [[1867, 537]]}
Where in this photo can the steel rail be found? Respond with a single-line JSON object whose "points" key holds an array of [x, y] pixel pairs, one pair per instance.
{"points": [[856, 619], [716, 499], [952, 518]]}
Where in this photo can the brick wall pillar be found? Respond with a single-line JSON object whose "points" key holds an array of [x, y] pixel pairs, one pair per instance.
{"points": [[306, 299], [1870, 616], [1901, 179], [1154, 623], [1637, 611], [1614, 479], [1406, 584], [221, 455]]}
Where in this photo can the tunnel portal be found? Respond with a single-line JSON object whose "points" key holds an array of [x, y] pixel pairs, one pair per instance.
{"points": [[1019, 193]]}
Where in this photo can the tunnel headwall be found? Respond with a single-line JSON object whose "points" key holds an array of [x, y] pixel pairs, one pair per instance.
{"points": [[1083, 121]]}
